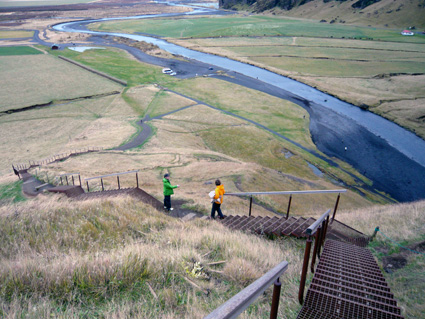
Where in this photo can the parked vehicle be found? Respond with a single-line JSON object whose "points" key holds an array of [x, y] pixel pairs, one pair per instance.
{"points": [[167, 71]]}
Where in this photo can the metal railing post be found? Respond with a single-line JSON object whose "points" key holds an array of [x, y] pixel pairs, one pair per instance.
{"points": [[73, 183], [79, 178], [316, 245], [88, 189], [250, 205], [336, 207], [118, 179], [61, 180], [101, 181], [325, 231], [66, 178], [305, 269], [275, 299], [289, 206], [137, 180], [374, 233]]}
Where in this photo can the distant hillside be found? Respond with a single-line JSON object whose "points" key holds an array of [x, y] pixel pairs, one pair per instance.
{"points": [[388, 13]]}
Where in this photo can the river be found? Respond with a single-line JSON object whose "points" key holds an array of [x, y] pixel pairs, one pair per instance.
{"points": [[392, 157]]}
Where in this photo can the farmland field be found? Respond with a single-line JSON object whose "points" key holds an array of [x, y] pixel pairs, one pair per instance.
{"points": [[15, 34], [40, 79], [378, 69], [21, 50], [25, 3]]}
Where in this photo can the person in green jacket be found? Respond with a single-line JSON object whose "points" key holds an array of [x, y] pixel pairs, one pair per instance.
{"points": [[168, 191]]}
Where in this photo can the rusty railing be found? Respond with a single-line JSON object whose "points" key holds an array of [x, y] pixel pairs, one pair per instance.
{"points": [[109, 175], [72, 178], [290, 193], [238, 303], [318, 231]]}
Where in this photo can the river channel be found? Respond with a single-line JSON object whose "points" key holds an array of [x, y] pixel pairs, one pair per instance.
{"points": [[392, 157]]}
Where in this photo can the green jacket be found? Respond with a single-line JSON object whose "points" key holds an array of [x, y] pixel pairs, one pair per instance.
{"points": [[168, 188]]}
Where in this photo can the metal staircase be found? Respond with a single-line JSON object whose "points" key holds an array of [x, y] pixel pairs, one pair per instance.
{"points": [[293, 226]]}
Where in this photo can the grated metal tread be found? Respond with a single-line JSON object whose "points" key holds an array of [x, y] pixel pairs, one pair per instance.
{"points": [[348, 284], [339, 289], [237, 222], [347, 308], [252, 224], [278, 229], [288, 230], [299, 231], [360, 265], [385, 293], [309, 313], [260, 229], [227, 220], [272, 226]]}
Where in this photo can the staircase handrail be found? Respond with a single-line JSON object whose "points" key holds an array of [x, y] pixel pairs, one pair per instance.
{"points": [[101, 177], [317, 230], [288, 192], [242, 300], [317, 224], [323, 191], [113, 174]]}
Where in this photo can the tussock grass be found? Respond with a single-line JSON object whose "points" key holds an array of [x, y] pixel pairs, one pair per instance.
{"points": [[104, 259]]}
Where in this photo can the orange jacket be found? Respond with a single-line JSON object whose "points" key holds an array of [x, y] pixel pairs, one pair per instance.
{"points": [[219, 192]]}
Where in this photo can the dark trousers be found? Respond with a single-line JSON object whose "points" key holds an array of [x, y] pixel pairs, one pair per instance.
{"points": [[167, 201], [216, 208]]}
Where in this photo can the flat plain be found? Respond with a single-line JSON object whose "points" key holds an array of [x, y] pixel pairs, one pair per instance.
{"points": [[374, 68], [40, 79]]}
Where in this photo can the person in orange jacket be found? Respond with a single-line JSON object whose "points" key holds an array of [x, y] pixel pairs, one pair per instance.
{"points": [[217, 200]]}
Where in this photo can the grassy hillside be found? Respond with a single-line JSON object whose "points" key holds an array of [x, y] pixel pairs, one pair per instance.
{"points": [[119, 259]]}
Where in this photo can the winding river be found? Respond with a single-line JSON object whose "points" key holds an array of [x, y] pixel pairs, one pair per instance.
{"points": [[392, 157]]}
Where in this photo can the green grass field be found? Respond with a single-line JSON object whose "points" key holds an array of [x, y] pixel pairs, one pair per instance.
{"points": [[38, 79], [5, 51], [119, 64], [252, 26]]}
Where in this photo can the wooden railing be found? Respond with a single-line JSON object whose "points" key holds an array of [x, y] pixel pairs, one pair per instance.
{"points": [[238, 303], [290, 193], [65, 176]]}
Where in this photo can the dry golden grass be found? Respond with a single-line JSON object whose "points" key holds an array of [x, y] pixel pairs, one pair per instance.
{"points": [[90, 256], [61, 258], [197, 152], [39, 79], [4, 34], [102, 122], [402, 222]]}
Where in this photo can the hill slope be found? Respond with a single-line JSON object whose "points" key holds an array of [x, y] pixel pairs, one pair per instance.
{"points": [[383, 13], [118, 258]]}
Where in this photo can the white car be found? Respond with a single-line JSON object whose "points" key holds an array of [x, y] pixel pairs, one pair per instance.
{"points": [[167, 71], [173, 73]]}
